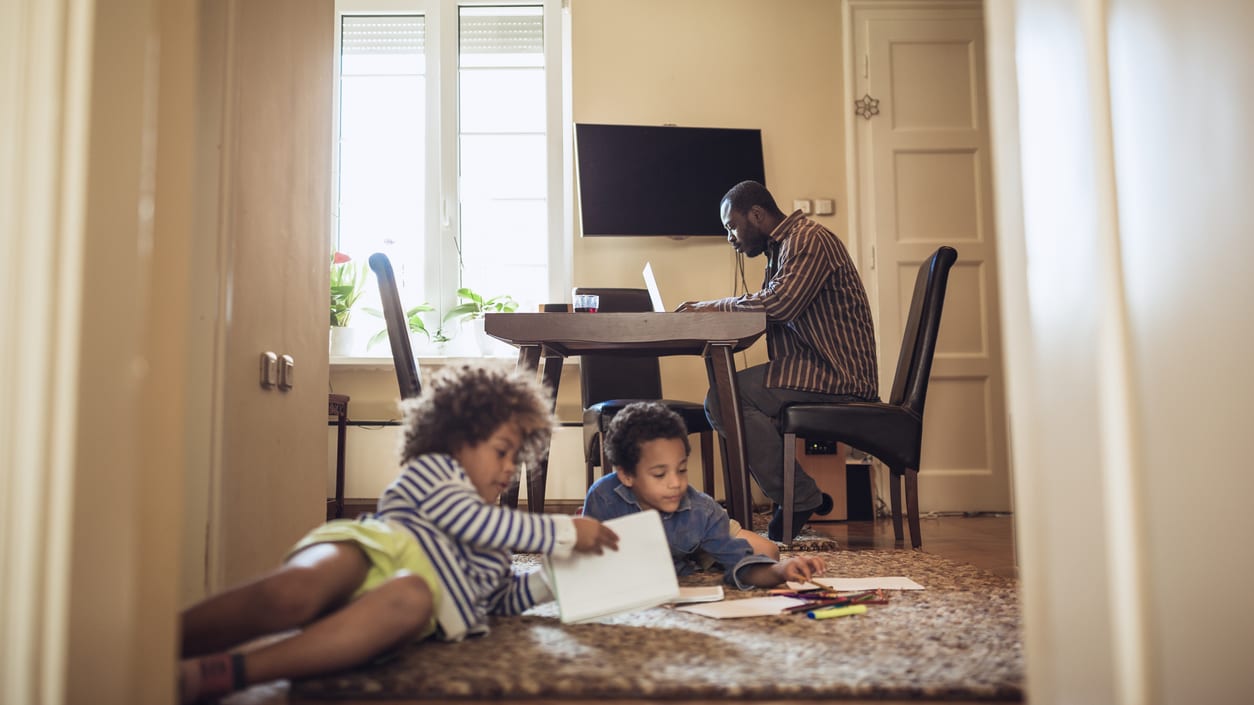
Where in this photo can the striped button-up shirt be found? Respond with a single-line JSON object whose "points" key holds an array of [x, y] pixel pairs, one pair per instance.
{"points": [[469, 542], [819, 334]]}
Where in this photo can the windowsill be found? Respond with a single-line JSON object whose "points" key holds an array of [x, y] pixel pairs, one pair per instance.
{"points": [[372, 364], [365, 363]]}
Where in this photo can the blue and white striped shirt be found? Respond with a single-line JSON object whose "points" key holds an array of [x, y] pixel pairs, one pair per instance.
{"points": [[469, 543]]}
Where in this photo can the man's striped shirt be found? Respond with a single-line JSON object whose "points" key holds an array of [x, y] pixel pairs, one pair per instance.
{"points": [[819, 334]]}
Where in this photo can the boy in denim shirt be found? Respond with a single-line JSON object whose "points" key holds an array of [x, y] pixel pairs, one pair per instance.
{"points": [[647, 445]]}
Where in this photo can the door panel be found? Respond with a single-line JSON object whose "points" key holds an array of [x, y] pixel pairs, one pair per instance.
{"points": [[923, 168], [273, 209]]}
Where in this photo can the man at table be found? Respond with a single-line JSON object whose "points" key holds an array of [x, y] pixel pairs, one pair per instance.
{"points": [[819, 336]]}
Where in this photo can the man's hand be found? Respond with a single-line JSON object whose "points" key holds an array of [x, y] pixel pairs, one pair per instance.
{"points": [[591, 536], [695, 307], [800, 569]]}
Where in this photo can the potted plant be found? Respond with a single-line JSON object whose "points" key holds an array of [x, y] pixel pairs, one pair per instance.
{"points": [[413, 321], [474, 305], [347, 279], [471, 311]]}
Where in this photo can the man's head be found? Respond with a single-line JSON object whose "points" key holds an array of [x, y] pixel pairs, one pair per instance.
{"points": [[749, 214]]}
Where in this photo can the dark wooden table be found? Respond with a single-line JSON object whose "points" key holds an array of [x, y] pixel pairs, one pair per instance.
{"points": [[714, 336]]}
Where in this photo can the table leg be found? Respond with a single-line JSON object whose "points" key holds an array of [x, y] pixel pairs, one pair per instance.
{"points": [[537, 477], [528, 361], [528, 357], [721, 369], [337, 405], [537, 481], [341, 434]]}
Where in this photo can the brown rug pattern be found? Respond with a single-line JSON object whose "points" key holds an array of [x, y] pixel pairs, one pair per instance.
{"points": [[958, 639], [807, 539]]}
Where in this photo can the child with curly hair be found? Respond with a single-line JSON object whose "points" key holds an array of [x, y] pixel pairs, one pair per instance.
{"points": [[647, 445], [434, 559]]}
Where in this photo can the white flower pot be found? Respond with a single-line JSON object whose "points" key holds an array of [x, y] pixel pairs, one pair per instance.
{"points": [[342, 341]]}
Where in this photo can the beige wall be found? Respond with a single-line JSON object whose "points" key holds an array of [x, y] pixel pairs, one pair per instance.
{"points": [[711, 63], [774, 66]]}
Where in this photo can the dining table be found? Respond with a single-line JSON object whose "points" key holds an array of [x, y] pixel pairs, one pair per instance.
{"points": [[551, 337]]}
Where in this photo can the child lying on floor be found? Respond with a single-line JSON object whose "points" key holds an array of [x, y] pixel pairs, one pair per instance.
{"points": [[647, 445], [435, 557]]}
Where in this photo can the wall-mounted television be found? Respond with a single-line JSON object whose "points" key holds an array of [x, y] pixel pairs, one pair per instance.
{"points": [[651, 180]]}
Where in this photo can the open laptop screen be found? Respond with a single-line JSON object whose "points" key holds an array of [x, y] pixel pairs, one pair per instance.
{"points": [[650, 283]]}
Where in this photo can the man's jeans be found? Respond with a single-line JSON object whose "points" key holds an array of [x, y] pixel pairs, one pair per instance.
{"points": [[764, 444]]}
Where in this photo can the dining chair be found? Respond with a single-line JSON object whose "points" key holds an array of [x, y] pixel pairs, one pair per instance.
{"points": [[397, 326], [891, 431], [609, 383]]}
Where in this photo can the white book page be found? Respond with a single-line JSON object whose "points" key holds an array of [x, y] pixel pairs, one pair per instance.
{"points": [[855, 584], [639, 574], [699, 594], [748, 607]]}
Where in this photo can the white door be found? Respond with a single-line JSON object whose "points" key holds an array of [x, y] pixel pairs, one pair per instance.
{"points": [[924, 180]]}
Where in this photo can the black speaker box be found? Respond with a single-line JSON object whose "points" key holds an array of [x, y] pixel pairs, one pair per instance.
{"points": [[858, 492]]}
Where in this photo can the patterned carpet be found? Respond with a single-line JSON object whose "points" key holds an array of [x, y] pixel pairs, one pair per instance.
{"points": [[958, 639]]}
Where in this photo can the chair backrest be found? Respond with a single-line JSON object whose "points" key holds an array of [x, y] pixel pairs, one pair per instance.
{"points": [[398, 327], [605, 377], [918, 343]]}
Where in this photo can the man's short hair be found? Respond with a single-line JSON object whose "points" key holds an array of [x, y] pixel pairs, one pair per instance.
{"points": [[747, 194]]}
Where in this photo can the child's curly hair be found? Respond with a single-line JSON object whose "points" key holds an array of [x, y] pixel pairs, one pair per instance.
{"points": [[464, 404], [636, 425]]}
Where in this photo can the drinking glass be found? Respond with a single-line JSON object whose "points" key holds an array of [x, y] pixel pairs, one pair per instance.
{"points": [[587, 303]]}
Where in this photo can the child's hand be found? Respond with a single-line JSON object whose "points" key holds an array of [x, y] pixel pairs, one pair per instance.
{"points": [[591, 536], [800, 569]]}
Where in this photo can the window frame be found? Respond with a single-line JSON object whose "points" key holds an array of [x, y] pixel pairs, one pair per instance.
{"points": [[441, 268]]}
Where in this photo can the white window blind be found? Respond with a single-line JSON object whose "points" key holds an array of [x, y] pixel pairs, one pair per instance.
{"points": [[383, 35], [489, 30]]}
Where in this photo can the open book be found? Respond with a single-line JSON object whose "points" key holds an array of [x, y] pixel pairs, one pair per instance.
{"points": [[639, 574]]}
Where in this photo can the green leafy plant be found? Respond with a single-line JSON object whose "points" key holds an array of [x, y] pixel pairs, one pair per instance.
{"points": [[474, 306], [413, 321], [347, 280]]}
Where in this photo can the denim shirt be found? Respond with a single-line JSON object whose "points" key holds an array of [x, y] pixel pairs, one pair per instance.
{"points": [[699, 525]]}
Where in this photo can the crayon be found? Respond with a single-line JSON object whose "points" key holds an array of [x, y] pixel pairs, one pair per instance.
{"points": [[829, 612]]}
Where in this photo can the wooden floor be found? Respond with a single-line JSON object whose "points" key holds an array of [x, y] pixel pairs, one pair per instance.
{"points": [[983, 541]]}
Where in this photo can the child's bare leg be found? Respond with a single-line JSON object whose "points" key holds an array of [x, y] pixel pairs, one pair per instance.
{"points": [[317, 578], [385, 616], [382, 618], [760, 545]]}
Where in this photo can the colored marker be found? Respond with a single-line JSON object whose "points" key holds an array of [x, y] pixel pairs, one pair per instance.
{"points": [[829, 612]]}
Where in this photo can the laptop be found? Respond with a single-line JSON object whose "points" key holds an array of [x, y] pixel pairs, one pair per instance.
{"points": [[650, 282]]}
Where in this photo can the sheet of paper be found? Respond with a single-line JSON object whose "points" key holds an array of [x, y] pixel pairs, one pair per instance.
{"points": [[748, 607], [699, 594], [639, 574], [854, 584]]}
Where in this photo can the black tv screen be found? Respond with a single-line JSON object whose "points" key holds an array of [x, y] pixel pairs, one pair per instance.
{"points": [[648, 180]]}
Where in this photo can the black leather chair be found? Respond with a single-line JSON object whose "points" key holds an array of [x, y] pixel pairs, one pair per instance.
{"points": [[892, 431], [398, 327], [611, 382]]}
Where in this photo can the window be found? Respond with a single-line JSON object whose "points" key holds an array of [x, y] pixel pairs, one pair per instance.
{"points": [[450, 146]]}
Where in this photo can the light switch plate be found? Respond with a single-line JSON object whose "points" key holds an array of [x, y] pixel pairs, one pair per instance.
{"points": [[802, 204], [824, 206]]}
